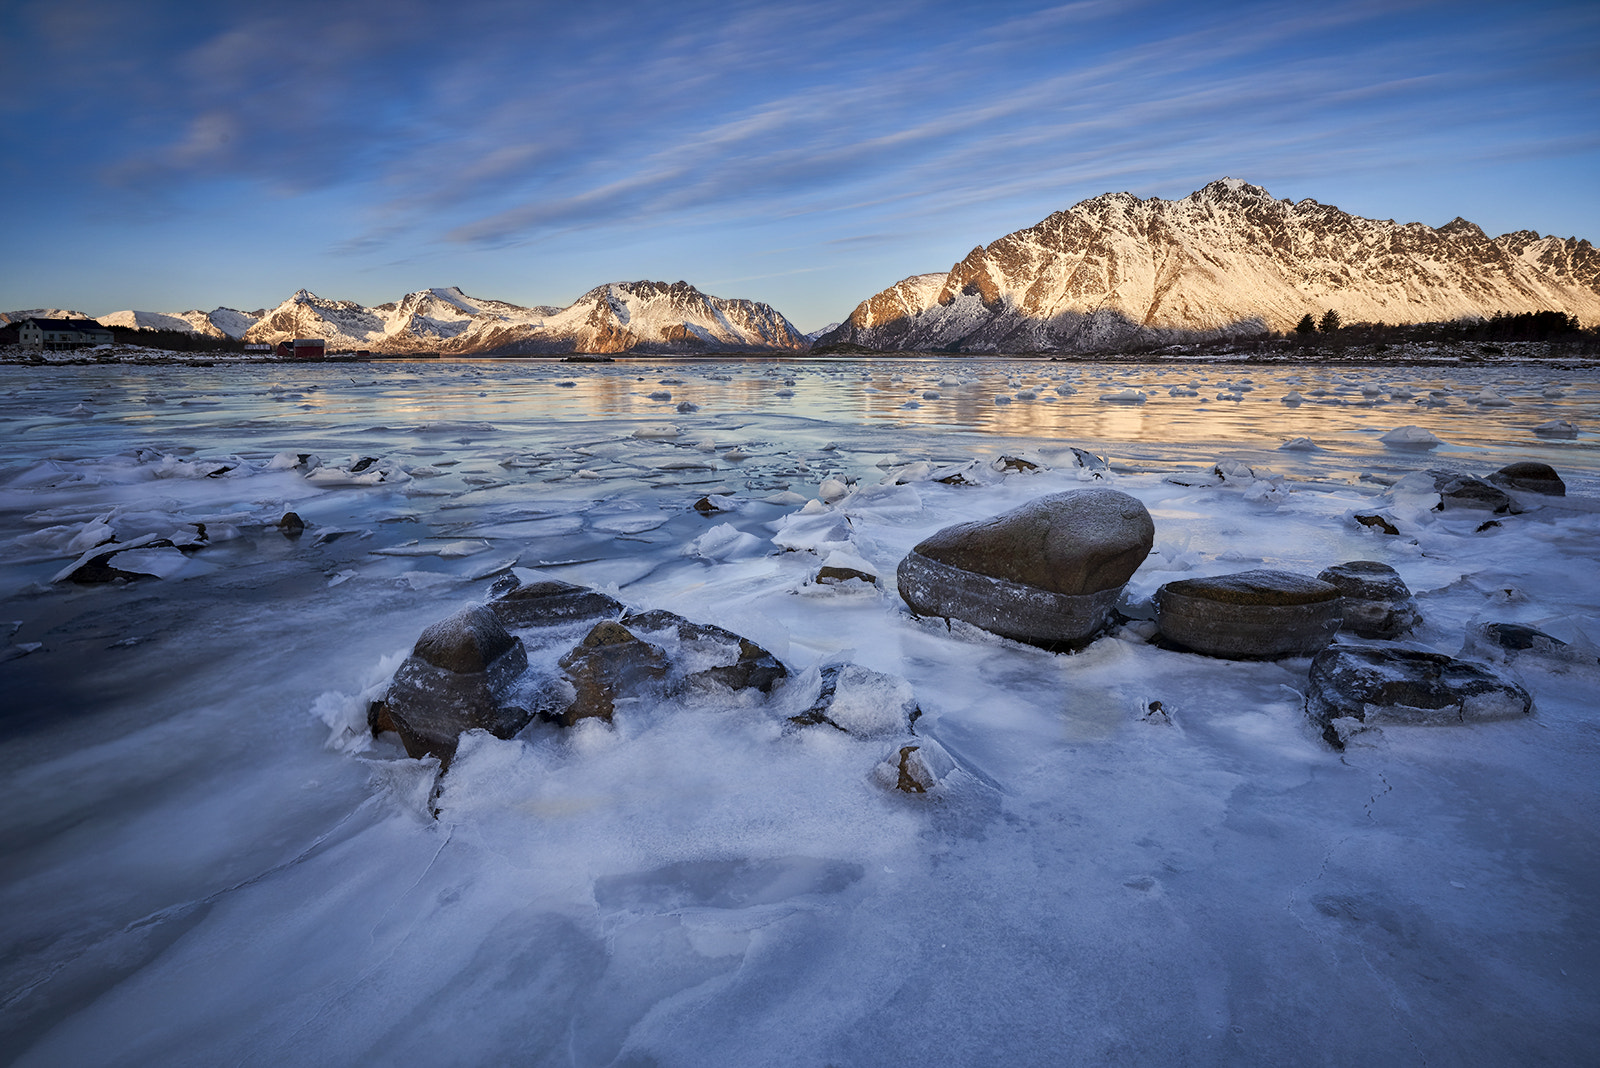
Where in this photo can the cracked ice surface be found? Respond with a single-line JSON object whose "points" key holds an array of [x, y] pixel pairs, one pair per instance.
{"points": [[208, 861]]}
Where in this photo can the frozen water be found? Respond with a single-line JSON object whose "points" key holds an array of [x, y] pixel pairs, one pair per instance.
{"points": [[209, 860]]}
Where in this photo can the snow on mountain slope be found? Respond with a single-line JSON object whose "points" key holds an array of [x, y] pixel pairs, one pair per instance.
{"points": [[617, 317], [222, 322], [1227, 258], [41, 313]]}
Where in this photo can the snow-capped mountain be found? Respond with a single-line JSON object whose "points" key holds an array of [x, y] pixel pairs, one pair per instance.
{"points": [[1225, 259], [220, 322], [618, 317], [41, 313]]}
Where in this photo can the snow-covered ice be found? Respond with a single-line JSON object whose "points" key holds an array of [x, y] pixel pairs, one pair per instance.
{"points": [[1128, 855]]}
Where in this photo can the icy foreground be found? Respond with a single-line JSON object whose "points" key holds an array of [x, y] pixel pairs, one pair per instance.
{"points": [[210, 859]]}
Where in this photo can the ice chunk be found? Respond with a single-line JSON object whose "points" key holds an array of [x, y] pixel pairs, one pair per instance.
{"points": [[1411, 437]]}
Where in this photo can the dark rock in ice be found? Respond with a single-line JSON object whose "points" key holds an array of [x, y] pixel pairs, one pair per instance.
{"points": [[1376, 601], [1088, 461], [101, 564], [292, 525], [755, 668], [1048, 572], [458, 678], [610, 664], [1250, 615], [1009, 464], [466, 642], [833, 575], [1510, 642], [1457, 491], [860, 701], [1376, 522], [1353, 687], [1515, 637], [706, 506], [1530, 477], [362, 464], [548, 602], [917, 768]]}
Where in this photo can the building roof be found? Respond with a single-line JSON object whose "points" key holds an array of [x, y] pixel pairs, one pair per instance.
{"points": [[66, 324]]}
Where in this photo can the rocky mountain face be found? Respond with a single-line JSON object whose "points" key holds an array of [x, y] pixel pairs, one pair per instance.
{"points": [[1225, 260], [646, 317]]}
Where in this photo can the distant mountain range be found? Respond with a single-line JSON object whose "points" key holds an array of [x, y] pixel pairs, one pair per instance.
{"points": [[644, 317], [1226, 260]]}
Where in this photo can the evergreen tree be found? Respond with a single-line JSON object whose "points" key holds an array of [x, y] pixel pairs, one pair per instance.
{"points": [[1330, 321], [1306, 326]]}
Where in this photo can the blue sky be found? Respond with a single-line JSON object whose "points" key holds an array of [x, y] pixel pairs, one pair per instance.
{"points": [[166, 156]]}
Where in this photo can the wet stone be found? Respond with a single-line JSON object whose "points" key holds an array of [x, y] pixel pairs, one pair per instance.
{"points": [[754, 668], [1376, 603], [1047, 573], [1530, 477], [548, 602], [1458, 491], [459, 677], [1251, 615], [610, 664], [1351, 688]]}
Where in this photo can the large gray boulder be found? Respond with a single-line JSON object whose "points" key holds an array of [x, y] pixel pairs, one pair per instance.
{"points": [[1251, 615], [1047, 573], [1376, 601], [458, 678], [1354, 687]]}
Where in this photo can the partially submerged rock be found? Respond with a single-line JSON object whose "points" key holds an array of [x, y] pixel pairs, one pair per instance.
{"points": [[1251, 615], [752, 667], [918, 767], [1530, 477], [548, 602], [1047, 573], [459, 677], [1355, 687], [1510, 642], [1457, 491], [610, 664], [1376, 601]]}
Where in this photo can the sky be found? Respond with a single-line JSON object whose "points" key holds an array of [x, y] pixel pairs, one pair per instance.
{"points": [[165, 156]]}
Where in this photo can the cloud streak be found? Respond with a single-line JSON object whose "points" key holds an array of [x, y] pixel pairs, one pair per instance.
{"points": [[491, 126]]}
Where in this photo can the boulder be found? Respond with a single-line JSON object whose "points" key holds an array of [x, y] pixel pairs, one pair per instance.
{"points": [[1048, 572], [1376, 602], [610, 664], [458, 677], [1354, 687], [1530, 477], [752, 667], [1457, 491], [549, 602], [1251, 615]]}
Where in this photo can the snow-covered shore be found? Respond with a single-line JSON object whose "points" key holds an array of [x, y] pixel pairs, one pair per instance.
{"points": [[211, 859]]}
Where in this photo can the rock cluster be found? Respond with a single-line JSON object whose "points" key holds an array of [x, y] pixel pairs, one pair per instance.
{"points": [[469, 672], [1047, 573]]}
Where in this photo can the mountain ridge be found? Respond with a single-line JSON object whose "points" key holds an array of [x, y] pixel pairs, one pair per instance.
{"points": [[1228, 259]]}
